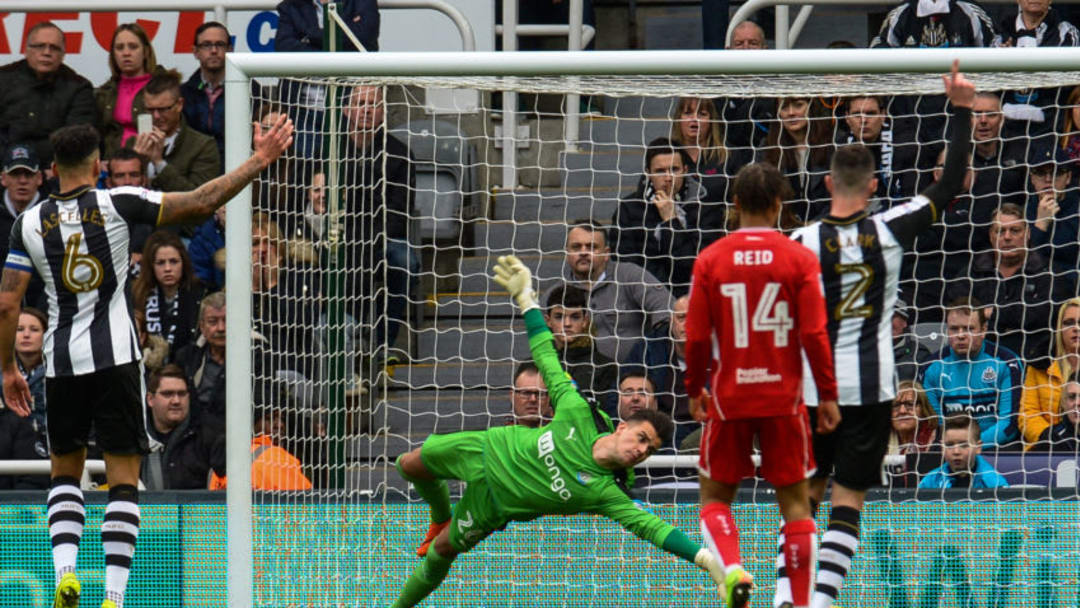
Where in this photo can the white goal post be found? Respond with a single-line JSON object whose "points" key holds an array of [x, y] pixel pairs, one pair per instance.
{"points": [[766, 67]]}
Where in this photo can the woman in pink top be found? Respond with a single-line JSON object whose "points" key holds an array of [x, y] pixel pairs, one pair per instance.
{"points": [[120, 100]]}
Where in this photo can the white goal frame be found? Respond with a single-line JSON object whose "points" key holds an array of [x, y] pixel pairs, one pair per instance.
{"points": [[242, 67]]}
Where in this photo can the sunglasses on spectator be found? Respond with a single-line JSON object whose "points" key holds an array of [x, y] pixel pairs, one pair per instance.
{"points": [[903, 405]]}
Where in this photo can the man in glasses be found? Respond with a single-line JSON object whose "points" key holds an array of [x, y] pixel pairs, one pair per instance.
{"points": [[181, 158], [204, 92], [186, 450], [532, 407], [39, 94]]}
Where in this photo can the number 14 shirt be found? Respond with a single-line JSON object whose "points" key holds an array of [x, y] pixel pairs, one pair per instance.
{"points": [[757, 298]]}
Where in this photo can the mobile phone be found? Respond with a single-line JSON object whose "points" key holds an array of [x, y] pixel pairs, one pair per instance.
{"points": [[145, 123]]}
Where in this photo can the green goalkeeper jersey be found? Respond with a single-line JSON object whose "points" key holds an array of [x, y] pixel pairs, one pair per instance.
{"points": [[550, 470]]}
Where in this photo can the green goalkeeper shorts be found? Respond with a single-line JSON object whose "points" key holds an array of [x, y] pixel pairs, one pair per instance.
{"points": [[461, 456]]}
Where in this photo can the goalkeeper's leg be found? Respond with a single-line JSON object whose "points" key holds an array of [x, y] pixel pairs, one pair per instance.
{"points": [[435, 491], [429, 573]]}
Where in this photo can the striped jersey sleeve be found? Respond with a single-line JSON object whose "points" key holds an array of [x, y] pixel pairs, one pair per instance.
{"points": [[137, 205], [17, 258]]}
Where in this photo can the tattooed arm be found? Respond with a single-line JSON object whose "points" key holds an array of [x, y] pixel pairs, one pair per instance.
{"points": [[199, 204], [12, 288]]}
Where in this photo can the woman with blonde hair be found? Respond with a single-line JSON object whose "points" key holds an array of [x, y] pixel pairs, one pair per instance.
{"points": [[1040, 403], [697, 126], [914, 422]]}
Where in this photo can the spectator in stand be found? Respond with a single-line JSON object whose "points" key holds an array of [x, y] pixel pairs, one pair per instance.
{"points": [[914, 430], [126, 167], [531, 405], [282, 189], [746, 119], [1016, 283], [570, 322], [39, 94], [1064, 437], [209, 238], [636, 392], [379, 202], [121, 100], [625, 300], [204, 92], [664, 358], [300, 29], [866, 121], [663, 224], [1054, 210], [181, 158], [972, 380], [272, 467], [203, 362], [282, 311], [1032, 112], [185, 452], [998, 163], [21, 179], [908, 353], [800, 143], [942, 249], [1041, 400], [26, 438], [697, 128], [167, 290], [963, 466], [1070, 125], [914, 422]]}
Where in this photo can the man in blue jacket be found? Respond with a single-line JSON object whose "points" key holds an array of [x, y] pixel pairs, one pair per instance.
{"points": [[963, 466], [972, 379]]}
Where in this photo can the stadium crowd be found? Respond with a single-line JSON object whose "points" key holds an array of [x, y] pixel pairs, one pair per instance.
{"points": [[999, 270]]}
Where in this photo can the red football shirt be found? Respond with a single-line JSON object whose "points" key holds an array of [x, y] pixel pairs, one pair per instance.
{"points": [[758, 294]]}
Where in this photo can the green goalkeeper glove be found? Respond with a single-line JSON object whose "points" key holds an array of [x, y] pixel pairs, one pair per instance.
{"points": [[512, 274], [705, 560]]}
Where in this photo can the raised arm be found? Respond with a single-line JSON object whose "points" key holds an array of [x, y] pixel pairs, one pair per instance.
{"points": [[199, 204], [961, 94], [512, 274]]}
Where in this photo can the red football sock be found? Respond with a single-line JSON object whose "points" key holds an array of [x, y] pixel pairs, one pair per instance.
{"points": [[800, 559], [721, 534]]}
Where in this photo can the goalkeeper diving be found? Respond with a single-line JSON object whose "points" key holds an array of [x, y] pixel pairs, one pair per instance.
{"points": [[517, 473]]}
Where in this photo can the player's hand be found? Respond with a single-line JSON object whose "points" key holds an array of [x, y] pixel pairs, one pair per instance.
{"points": [[705, 560], [16, 393], [959, 90], [828, 417], [271, 144], [513, 275], [699, 406]]}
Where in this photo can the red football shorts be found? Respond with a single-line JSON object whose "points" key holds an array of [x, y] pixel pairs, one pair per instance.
{"points": [[787, 456]]}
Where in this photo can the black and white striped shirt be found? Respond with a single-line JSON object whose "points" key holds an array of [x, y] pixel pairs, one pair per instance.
{"points": [[861, 256], [78, 242]]}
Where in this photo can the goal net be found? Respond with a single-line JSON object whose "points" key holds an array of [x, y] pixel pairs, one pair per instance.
{"points": [[376, 324]]}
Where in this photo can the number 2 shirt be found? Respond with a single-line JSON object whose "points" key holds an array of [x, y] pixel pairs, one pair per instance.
{"points": [[861, 256], [78, 242], [756, 297]]}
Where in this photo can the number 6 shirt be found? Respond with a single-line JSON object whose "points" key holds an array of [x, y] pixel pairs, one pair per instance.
{"points": [[756, 297], [78, 242]]}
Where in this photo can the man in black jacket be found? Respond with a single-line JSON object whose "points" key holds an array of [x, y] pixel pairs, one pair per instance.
{"points": [[186, 450], [663, 224], [39, 94]]}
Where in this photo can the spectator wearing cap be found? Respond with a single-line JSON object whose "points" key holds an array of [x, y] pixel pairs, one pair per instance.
{"points": [[181, 158], [22, 180], [39, 94], [1054, 207], [908, 353]]}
